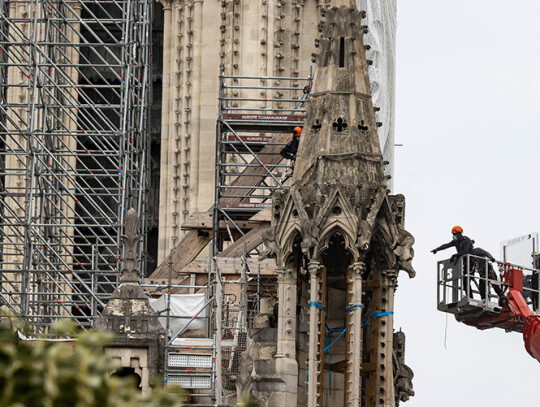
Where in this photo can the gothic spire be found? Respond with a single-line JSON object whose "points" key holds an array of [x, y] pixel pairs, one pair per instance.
{"points": [[341, 119]]}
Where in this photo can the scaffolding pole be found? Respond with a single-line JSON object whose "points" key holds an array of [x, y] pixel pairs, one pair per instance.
{"points": [[256, 119], [74, 117]]}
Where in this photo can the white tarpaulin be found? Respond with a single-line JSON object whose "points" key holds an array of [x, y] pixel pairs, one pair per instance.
{"points": [[183, 308]]}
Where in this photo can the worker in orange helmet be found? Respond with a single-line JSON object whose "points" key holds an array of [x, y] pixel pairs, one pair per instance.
{"points": [[290, 150], [459, 241], [463, 246]]}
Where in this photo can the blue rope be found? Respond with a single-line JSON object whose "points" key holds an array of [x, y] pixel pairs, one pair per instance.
{"points": [[301, 100], [377, 315], [317, 305], [327, 349], [333, 330], [353, 307]]}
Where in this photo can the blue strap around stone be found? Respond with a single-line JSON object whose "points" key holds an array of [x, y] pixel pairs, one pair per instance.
{"points": [[381, 314], [377, 315], [353, 307], [317, 305]]}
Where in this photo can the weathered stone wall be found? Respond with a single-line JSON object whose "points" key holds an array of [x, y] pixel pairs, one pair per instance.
{"points": [[257, 38], [263, 38]]}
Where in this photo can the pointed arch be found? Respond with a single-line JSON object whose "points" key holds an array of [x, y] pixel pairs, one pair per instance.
{"points": [[337, 227]]}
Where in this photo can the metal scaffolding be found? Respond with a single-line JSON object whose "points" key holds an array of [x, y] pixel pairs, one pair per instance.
{"points": [[256, 119], [74, 92]]}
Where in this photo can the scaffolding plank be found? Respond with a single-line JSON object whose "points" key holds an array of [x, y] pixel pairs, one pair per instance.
{"points": [[232, 265], [203, 221], [263, 118], [246, 205], [252, 138], [183, 254], [252, 239]]}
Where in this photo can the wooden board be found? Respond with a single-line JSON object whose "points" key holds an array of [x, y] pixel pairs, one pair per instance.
{"points": [[192, 244], [231, 265], [252, 239], [183, 254], [265, 215], [203, 221]]}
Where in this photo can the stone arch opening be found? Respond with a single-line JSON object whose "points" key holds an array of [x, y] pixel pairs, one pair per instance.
{"points": [[129, 372], [336, 260]]}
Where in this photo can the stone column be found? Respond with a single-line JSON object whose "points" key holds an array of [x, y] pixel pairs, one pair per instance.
{"points": [[164, 195], [286, 364], [354, 365], [381, 380], [195, 130], [313, 362]]}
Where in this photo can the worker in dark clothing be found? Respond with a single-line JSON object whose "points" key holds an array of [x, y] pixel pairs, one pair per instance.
{"points": [[463, 246], [290, 150], [535, 278], [531, 282], [536, 260], [483, 268], [461, 243]]}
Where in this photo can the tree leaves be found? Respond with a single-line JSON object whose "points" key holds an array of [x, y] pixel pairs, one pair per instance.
{"points": [[74, 373]]}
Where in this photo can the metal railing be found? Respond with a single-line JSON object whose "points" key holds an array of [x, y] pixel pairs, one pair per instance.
{"points": [[477, 282]]}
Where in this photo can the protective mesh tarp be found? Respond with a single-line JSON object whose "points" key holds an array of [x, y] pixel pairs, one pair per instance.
{"points": [[183, 308]]}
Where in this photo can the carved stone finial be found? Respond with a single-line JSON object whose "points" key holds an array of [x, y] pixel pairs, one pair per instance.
{"points": [[131, 241]]}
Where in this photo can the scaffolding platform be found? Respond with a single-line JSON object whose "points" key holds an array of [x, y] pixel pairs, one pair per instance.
{"points": [[467, 289], [252, 128]]}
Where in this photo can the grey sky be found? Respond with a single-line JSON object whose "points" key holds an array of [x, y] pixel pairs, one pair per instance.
{"points": [[468, 114]]}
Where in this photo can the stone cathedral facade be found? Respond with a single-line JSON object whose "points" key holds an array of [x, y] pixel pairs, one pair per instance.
{"points": [[244, 38], [336, 239]]}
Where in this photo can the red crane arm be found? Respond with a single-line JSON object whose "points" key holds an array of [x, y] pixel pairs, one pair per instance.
{"points": [[531, 336], [531, 328]]}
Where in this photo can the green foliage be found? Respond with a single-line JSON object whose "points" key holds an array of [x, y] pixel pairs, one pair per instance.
{"points": [[75, 374], [247, 401]]}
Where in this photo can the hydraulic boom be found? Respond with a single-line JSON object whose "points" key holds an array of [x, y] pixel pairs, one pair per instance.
{"points": [[459, 291]]}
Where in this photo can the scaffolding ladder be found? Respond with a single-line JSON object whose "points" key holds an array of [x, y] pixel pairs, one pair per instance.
{"points": [[255, 121]]}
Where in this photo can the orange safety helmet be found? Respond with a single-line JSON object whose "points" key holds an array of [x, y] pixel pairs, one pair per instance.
{"points": [[457, 229], [297, 131]]}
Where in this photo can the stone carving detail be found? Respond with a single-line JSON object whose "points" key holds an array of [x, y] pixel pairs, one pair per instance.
{"points": [[339, 125], [405, 252], [130, 238], [403, 374], [244, 380]]}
